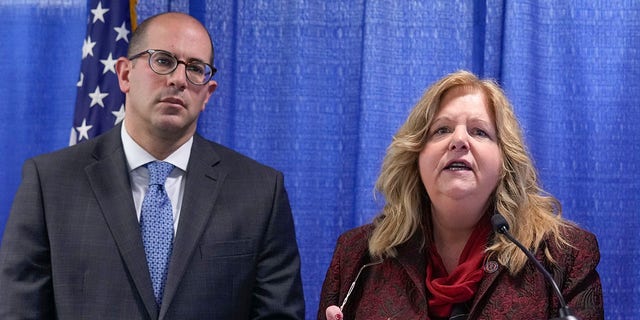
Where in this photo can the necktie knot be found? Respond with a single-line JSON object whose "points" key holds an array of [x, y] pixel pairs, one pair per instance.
{"points": [[158, 172]]}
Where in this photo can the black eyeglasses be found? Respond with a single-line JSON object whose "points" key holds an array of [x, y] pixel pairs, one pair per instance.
{"points": [[353, 284], [164, 62]]}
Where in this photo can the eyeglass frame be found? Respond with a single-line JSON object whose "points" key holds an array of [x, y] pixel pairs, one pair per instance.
{"points": [[353, 284], [178, 61]]}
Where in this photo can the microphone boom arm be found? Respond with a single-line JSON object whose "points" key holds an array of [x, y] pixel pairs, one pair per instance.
{"points": [[501, 226]]}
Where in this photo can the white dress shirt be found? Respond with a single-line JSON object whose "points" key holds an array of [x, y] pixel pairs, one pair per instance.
{"points": [[137, 157]]}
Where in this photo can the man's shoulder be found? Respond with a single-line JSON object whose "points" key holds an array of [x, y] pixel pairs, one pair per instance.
{"points": [[228, 156], [84, 150]]}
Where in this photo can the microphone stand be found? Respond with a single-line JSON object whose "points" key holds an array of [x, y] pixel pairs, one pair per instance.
{"points": [[501, 226]]}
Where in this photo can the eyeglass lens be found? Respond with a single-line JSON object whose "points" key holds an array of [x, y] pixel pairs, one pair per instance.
{"points": [[164, 63]]}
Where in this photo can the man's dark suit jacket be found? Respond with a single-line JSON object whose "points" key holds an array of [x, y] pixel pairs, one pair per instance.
{"points": [[72, 247], [396, 289]]}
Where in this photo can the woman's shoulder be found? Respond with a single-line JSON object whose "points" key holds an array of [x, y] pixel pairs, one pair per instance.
{"points": [[356, 240], [581, 247], [575, 270], [578, 237], [357, 233], [357, 237]]}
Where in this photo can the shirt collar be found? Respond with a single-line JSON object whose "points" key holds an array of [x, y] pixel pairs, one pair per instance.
{"points": [[137, 156]]}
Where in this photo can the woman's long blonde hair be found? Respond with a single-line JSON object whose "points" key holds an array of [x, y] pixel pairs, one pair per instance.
{"points": [[532, 214]]}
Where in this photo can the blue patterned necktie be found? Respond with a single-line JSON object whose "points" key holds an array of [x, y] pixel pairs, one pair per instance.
{"points": [[156, 219]]}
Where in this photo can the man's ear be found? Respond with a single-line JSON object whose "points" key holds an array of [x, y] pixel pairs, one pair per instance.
{"points": [[123, 70], [211, 87]]}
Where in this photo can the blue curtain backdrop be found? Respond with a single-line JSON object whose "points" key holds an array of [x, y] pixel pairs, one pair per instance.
{"points": [[317, 88]]}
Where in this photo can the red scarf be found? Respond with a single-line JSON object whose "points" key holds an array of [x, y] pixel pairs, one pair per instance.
{"points": [[461, 285]]}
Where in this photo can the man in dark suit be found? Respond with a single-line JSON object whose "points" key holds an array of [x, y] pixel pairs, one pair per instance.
{"points": [[73, 245]]}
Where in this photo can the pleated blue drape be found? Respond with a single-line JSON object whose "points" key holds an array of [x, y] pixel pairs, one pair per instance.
{"points": [[317, 88]]}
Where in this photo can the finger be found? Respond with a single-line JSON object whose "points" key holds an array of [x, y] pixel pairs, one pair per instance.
{"points": [[333, 313]]}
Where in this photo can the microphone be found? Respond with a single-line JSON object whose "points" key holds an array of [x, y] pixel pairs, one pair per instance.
{"points": [[501, 226]]}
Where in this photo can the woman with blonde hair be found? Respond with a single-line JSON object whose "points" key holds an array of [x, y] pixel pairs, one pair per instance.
{"points": [[459, 159]]}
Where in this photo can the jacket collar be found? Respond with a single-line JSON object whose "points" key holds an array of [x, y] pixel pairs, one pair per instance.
{"points": [[414, 261], [109, 179]]}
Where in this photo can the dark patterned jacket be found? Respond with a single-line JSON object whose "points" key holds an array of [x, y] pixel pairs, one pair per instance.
{"points": [[396, 289]]}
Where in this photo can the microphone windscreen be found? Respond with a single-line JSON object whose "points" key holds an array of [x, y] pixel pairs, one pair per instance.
{"points": [[498, 222]]}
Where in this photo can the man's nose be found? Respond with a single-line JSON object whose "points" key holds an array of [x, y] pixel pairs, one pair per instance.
{"points": [[178, 77]]}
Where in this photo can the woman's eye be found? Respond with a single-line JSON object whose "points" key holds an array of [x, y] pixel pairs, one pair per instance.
{"points": [[480, 132], [442, 130]]}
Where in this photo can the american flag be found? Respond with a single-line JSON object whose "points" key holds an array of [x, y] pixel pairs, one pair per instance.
{"points": [[100, 103]]}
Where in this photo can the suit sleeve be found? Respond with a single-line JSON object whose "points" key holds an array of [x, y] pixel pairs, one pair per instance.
{"points": [[25, 264], [278, 293], [582, 289]]}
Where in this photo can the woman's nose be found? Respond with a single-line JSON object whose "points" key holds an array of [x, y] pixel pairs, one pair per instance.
{"points": [[459, 140]]}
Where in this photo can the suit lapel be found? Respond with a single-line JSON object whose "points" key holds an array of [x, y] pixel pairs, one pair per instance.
{"points": [[492, 270], [415, 264], [203, 180], [109, 179]]}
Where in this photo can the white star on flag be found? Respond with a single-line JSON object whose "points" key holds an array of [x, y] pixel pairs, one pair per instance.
{"points": [[109, 64], [79, 84], [87, 47], [83, 130], [98, 13], [108, 22], [96, 97], [123, 32], [119, 114]]}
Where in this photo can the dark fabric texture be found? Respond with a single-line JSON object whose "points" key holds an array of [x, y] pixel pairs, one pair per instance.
{"points": [[73, 231], [396, 288], [316, 89]]}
